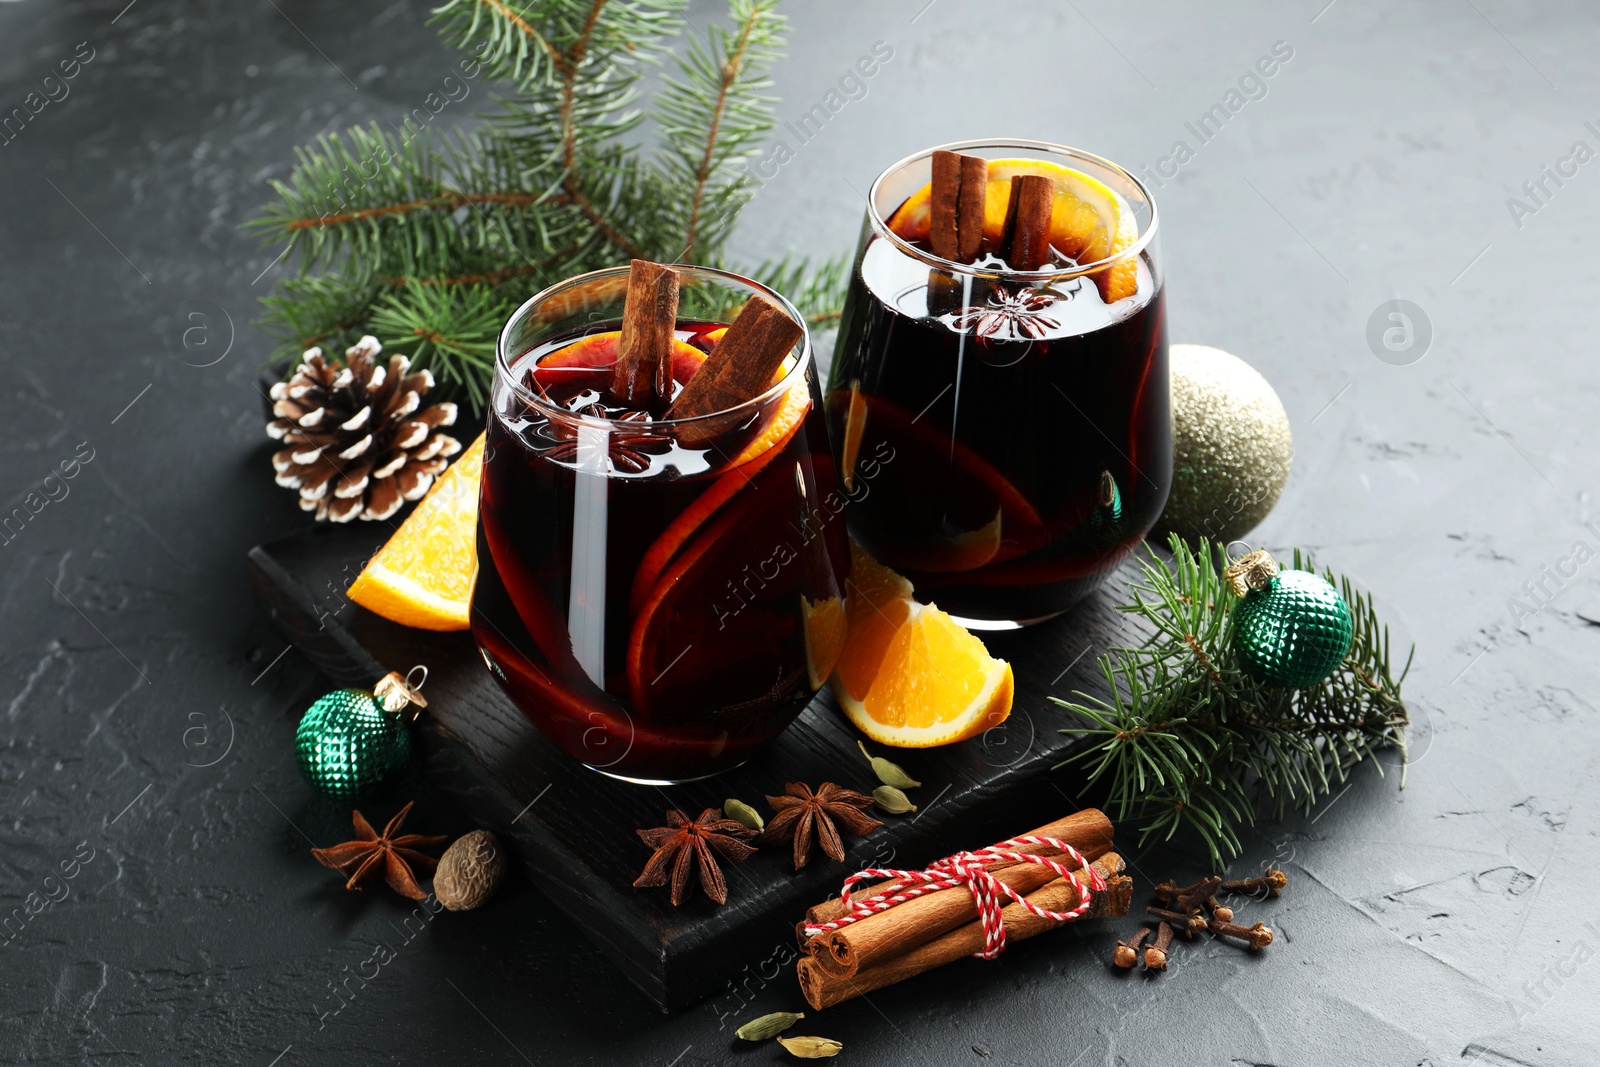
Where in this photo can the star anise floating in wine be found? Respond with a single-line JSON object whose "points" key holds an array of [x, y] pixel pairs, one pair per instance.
{"points": [[1019, 313], [686, 842], [370, 853], [805, 816], [630, 450]]}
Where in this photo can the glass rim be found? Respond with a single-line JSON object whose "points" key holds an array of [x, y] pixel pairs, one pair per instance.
{"points": [[881, 225], [542, 404]]}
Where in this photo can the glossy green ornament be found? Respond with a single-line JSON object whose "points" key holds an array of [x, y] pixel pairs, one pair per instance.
{"points": [[1291, 628], [353, 739]]}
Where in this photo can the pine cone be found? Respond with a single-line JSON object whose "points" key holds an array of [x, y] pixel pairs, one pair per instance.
{"points": [[358, 445]]}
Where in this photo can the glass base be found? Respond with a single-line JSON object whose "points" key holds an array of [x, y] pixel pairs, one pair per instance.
{"points": [[1005, 624], [662, 781]]}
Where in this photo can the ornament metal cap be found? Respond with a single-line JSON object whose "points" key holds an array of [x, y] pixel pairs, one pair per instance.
{"points": [[1254, 571], [397, 693]]}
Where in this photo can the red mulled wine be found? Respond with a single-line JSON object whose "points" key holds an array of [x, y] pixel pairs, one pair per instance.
{"points": [[1025, 414], [652, 604]]}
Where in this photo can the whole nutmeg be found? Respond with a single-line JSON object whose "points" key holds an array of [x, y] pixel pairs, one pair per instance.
{"points": [[469, 871]]}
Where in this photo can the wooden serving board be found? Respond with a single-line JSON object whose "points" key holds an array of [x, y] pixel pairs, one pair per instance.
{"points": [[573, 829]]}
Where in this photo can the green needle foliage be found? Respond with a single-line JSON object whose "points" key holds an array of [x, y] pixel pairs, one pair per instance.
{"points": [[429, 241], [1189, 741]]}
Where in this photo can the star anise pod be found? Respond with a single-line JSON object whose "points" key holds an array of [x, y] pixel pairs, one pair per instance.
{"points": [[805, 815], [683, 842], [1022, 313], [362, 858], [630, 450]]}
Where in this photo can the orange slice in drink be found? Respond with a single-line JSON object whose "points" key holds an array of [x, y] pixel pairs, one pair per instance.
{"points": [[423, 575], [597, 351], [761, 450], [855, 423], [910, 675], [1090, 221], [972, 517], [683, 601]]}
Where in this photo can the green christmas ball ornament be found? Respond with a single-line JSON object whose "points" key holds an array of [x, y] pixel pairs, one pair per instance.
{"points": [[1290, 628], [352, 740], [1231, 446]]}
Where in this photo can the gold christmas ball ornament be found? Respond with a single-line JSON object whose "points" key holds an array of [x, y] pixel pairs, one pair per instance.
{"points": [[1231, 446]]}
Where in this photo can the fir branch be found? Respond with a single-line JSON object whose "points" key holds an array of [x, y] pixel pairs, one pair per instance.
{"points": [[712, 115], [1189, 742], [422, 237]]}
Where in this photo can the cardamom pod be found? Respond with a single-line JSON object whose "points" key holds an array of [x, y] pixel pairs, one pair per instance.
{"points": [[768, 1025], [811, 1048], [744, 814], [892, 800], [888, 773]]}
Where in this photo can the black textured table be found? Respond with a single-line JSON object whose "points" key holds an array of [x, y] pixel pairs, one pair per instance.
{"points": [[148, 710]]}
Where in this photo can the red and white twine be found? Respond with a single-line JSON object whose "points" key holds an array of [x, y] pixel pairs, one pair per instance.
{"points": [[969, 869]]}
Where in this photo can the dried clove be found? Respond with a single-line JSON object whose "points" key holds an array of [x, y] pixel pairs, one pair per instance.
{"points": [[1126, 953], [1169, 892], [1272, 882], [1188, 925], [1219, 911], [1155, 957], [1257, 936], [1191, 899]]}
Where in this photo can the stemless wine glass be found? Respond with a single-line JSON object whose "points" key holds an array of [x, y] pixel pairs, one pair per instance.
{"points": [[659, 597], [1018, 422]]}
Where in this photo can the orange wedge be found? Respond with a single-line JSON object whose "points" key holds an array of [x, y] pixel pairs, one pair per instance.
{"points": [[423, 576], [1089, 222], [910, 675], [825, 629]]}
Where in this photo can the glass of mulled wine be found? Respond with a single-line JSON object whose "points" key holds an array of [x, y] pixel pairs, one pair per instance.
{"points": [[659, 596], [1011, 392]]}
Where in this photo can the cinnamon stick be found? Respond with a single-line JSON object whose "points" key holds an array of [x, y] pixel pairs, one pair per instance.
{"points": [[1088, 831], [823, 990], [970, 207], [903, 927], [741, 367], [943, 205], [643, 370], [956, 205], [1008, 229], [1034, 196]]}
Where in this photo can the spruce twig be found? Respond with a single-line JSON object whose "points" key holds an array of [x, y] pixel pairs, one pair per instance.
{"points": [[1190, 742]]}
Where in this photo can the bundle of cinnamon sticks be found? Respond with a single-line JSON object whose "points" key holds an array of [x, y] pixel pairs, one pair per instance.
{"points": [[943, 926]]}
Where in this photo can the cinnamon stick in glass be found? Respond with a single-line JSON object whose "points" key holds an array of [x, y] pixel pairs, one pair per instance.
{"points": [[823, 990], [970, 207], [1034, 196], [643, 370], [742, 366], [943, 205]]}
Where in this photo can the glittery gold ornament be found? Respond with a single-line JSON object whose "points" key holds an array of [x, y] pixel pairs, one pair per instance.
{"points": [[1231, 446]]}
